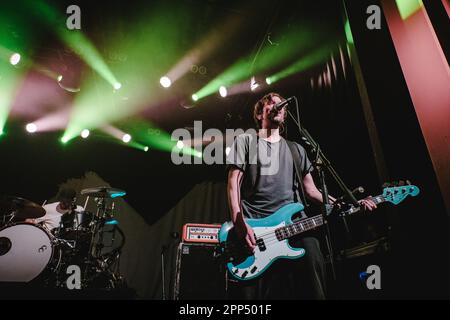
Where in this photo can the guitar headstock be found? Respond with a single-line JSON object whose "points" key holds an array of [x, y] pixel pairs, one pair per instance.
{"points": [[397, 192]]}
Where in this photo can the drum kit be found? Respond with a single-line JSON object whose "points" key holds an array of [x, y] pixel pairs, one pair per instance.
{"points": [[30, 253]]}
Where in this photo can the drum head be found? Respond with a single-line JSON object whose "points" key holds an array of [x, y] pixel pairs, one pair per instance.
{"points": [[25, 251]]}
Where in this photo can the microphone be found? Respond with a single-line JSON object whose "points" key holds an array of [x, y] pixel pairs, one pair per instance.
{"points": [[280, 105]]}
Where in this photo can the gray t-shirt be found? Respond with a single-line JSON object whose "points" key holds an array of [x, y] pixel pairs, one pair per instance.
{"points": [[269, 176]]}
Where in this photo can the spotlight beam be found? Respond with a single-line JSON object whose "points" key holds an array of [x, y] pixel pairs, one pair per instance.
{"points": [[10, 79], [206, 47], [296, 40], [74, 39], [318, 56], [97, 106]]}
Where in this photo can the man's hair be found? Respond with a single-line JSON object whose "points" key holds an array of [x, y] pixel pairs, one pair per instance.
{"points": [[66, 194], [257, 109]]}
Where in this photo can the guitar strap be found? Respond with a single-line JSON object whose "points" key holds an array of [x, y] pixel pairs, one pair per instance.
{"points": [[298, 172]]}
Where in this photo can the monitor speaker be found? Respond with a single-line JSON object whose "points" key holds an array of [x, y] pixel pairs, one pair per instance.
{"points": [[200, 274]]}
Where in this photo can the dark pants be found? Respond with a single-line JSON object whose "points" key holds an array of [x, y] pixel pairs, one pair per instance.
{"points": [[302, 278]]}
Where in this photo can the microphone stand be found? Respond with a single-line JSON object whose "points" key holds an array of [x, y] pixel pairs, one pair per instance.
{"points": [[163, 267], [322, 164]]}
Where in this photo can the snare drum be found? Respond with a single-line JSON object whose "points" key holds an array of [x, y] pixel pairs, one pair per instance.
{"points": [[26, 250]]}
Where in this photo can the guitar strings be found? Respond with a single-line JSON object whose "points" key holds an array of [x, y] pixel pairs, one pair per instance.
{"points": [[271, 238], [310, 219], [304, 221]]}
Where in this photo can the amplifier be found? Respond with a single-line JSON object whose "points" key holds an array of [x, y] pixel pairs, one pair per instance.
{"points": [[199, 272], [202, 233]]}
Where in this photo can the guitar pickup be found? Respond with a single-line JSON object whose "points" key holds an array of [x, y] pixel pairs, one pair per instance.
{"points": [[261, 245], [253, 269]]}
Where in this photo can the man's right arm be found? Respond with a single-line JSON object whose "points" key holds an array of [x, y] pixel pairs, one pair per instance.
{"points": [[234, 193], [242, 229]]}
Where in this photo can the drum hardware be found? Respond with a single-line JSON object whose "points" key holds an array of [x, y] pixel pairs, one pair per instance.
{"points": [[98, 264], [103, 192], [30, 251], [7, 218], [103, 196], [69, 243]]}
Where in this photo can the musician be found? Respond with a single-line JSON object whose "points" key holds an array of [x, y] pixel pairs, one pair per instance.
{"points": [[258, 189], [65, 205]]}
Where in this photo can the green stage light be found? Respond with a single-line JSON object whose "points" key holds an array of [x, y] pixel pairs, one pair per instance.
{"points": [[136, 145], [97, 105], [316, 57], [296, 39], [15, 39], [195, 97], [151, 137], [86, 50], [14, 59], [268, 81], [76, 40]]}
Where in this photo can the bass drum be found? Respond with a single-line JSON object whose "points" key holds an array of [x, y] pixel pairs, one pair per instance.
{"points": [[26, 250]]}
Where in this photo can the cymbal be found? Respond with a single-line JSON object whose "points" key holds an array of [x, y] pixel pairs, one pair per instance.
{"points": [[22, 208], [103, 192]]}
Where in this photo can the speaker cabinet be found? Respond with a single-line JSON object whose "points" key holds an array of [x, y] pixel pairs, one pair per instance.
{"points": [[199, 274]]}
